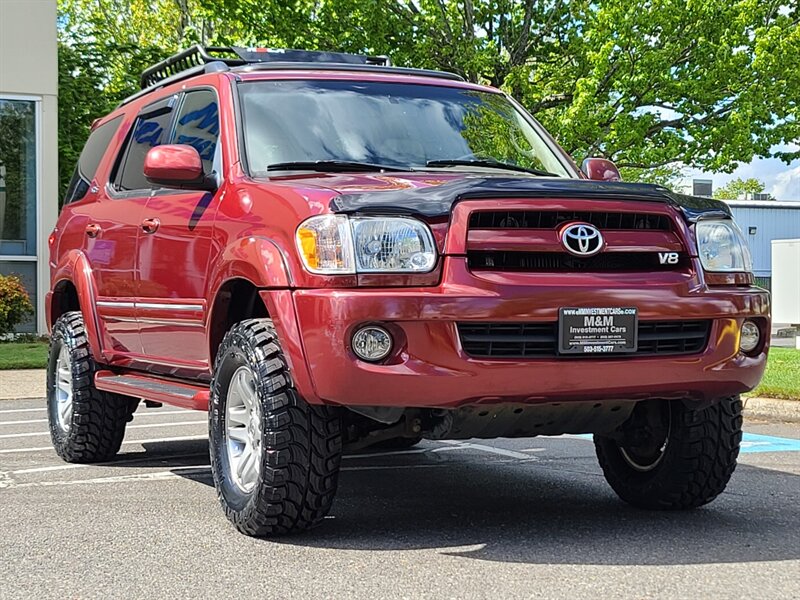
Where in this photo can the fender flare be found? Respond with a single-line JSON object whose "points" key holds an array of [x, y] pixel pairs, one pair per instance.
{"points": [[258, 260], [74, 268]]}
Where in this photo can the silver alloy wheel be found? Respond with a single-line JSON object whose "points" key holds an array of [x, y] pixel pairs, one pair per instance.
{"points": [[243, 429], [63, 389]]}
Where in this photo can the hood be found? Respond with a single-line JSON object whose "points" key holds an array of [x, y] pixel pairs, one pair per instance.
{"points": [[433, 194]]}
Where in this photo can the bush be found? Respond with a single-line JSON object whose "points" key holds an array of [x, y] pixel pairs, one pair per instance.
{"points": [[15, 304]]}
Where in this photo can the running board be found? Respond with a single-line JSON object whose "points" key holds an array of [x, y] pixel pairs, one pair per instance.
{"points": [[185, 395]]}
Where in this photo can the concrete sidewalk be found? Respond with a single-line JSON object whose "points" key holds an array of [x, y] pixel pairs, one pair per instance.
{"points": [[31, 383], [28, 383]]}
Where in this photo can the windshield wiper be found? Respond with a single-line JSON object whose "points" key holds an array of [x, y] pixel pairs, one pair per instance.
{"points": [[492, 164], [332, 166]]}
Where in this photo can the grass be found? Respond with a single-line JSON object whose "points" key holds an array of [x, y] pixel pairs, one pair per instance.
{"points": [[782, 379], [23, 355]]}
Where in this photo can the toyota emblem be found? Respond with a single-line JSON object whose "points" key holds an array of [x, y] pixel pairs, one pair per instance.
{"points": [[582, 239]]}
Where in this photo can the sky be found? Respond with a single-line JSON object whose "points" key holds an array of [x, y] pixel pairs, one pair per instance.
{"points": [[781, 180]]}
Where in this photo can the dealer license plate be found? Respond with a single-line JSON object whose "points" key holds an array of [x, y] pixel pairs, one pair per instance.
{"points": [[597, 331]]}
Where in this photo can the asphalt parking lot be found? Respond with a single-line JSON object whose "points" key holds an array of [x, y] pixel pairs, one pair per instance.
{"points": [[503, 519]]}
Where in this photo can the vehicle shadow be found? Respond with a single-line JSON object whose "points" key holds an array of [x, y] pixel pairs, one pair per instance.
{"points": [[548, 512]]}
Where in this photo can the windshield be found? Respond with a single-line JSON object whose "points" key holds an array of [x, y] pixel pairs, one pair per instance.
{"points": [[393, 124]]}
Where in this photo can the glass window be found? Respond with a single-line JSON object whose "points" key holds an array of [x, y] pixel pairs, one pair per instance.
{"points": [[26, 271], [18, 177], [393, 124], [150, 130], [198, 125], [90, 158]]}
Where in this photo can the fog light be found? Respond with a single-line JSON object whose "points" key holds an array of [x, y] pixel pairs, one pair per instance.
{"points": [[750, 336], [372, 343]]}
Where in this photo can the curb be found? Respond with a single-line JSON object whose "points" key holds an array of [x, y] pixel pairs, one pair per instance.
{"points": [[772, 409]]}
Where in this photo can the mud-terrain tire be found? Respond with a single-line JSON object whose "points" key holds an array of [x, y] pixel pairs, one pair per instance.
{"points": [[398, 443], [292, 449], [694, 466], [86, 424]]}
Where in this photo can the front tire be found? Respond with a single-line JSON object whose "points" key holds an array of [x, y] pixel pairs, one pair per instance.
{"points": [[274, 458], [668, 456], [86, 424]]}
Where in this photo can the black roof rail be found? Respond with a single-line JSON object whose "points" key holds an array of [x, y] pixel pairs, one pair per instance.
{"points": [[287, 66], [198, 55], [186, 60], [213, 59]]}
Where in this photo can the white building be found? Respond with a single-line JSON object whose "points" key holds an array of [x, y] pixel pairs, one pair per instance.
{"points": [[28, 143], [764, 221]]}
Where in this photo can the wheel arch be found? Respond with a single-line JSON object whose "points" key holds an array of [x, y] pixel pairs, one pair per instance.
{"points": [[73, 289], [235, 300]]}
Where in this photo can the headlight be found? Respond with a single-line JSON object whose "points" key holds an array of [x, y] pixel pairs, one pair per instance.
{"points": [[334, 244], [392, 245], [722, 247]]}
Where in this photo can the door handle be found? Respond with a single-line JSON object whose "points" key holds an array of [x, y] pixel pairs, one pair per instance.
{"points": [[150, 225], [93, 230]]}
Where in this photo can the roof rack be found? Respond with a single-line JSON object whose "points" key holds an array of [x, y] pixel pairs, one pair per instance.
{"points": [[187, 61], [214, 59]]}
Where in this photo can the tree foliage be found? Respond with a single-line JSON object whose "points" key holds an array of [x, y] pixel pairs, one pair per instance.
{"points": [[650, 84], [739, 188], [15, 304]]}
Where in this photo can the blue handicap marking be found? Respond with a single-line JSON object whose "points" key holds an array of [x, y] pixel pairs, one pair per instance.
{"points": [[753, 442]]}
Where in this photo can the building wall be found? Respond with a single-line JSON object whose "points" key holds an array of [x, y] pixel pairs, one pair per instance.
{"points": [[29, 182], [773, 221]]}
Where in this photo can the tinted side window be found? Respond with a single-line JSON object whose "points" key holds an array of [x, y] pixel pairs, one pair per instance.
{"points": [[90, 158], [198, 125], [151, 129]]}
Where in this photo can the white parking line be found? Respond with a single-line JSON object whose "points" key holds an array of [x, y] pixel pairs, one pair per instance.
{"points": [[136, 415], [147, 426], [490, 449], [70, 466], [150, 441], [391, 453], [115, 463], [177, 472], [18, 410]]}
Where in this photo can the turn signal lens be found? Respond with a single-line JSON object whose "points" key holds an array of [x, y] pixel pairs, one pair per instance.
{"points": [[326, 246]]}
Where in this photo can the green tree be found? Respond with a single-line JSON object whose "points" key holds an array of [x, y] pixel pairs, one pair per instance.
{"points": [[651, 84], [82, 98], [739, 188]]}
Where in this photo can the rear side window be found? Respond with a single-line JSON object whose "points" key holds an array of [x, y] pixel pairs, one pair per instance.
{"points": [[151, 129], [198, 125], [90, 158]]}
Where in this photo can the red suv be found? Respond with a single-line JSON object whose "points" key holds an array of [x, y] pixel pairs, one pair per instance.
{"points": [[328, 253]]}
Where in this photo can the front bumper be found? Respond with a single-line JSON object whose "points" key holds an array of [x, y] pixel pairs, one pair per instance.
{"points": [[432, 370]]}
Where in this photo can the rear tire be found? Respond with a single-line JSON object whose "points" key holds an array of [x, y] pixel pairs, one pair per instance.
{"points": [[86, 424], [274, 458], [686, 462]]}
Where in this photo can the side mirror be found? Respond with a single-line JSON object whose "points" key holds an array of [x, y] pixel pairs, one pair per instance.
{"points": [[599, 169], [177, 166]]}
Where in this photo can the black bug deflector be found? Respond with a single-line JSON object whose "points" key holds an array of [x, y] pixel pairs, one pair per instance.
{"points": [[438, 201]]}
